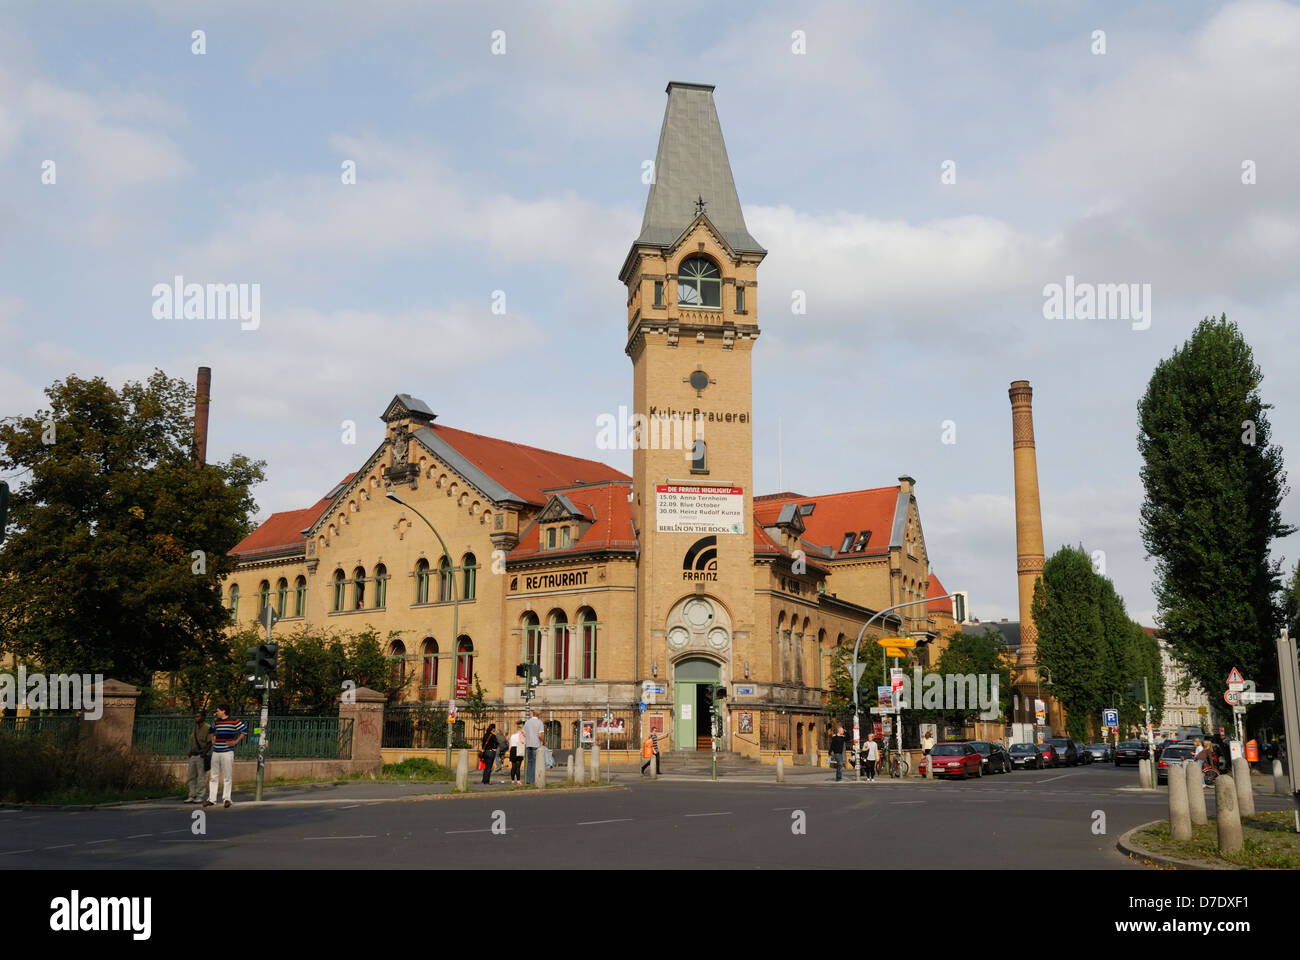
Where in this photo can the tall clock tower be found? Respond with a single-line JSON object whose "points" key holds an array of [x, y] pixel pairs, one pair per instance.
{"points": [[692, 296]]}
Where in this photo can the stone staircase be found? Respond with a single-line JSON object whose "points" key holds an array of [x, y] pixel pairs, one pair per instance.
{"points": [[700, 762]]}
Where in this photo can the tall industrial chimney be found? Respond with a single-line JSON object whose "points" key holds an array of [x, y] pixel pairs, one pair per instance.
{"points": [[1029, 524], [201, 401]]}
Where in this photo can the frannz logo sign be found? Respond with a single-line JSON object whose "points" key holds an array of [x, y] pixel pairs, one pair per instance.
{"points": [[701, 560]]}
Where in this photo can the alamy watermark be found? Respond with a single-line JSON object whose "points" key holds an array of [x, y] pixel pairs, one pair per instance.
{"points": [[58, 691], [659, 430], [952, 691], [1098, 301], [179, 300]]}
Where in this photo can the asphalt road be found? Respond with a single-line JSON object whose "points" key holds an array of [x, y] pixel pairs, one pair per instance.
{"points": [[1035, 819]]}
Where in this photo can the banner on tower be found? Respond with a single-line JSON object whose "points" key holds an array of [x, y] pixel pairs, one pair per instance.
{"points": [[698, 509]]}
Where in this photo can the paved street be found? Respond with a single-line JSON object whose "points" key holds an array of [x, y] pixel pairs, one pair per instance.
{"points": [[1038, 819]]}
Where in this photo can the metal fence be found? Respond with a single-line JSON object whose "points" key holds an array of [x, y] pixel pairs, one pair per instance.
{"points": [[289, 738], [416, 726], [61, 727]]}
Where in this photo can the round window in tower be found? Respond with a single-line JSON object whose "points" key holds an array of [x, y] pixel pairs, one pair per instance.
{"points": [[698, 380]]}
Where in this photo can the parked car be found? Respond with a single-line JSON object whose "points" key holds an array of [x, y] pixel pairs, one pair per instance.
{"points": [[956, 760], [1100, 752], [1174, 753], [1160, 747], [1065, 748], [1026, 755], [1051, 757], [1131, 751], [994, 757], [1082, 753]]}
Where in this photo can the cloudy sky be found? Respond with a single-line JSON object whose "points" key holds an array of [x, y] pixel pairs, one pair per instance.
{"points": [[521, 172]]}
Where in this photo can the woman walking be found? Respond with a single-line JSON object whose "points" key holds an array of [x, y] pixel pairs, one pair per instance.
{"points": [[489, 747], [516, 753]]}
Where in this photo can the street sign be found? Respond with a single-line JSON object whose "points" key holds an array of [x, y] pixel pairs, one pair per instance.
{"points": [[1110, 718], [1250, 696], [857, 669], [895, 652], [907, 642], [269, 617], [744, 691], [641, 706], [1239, 710], [1232, 696], [1235, 680], [882, 709]]}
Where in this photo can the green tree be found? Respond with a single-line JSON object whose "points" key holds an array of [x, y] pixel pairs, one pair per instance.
{"points": [[1214, 488], [1067, 610], [118, 539], [977, 652]]}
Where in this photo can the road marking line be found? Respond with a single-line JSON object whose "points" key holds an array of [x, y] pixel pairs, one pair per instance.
{"points": [[903, 803], [91, 843], [59, 846], [360, 836], [353, 807], [137, 836], [181, 830], [484, 830], [725, 813], [9, 853], [1050, 779], [591, 823]]}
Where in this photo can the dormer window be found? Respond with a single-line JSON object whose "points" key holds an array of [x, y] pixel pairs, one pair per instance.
{"points": [[564, 537], [699, 284], [550, 539], [848, 542], [861, 543]]}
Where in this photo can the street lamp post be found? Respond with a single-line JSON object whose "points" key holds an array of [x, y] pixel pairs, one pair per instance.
{"points": [[455, 607], [857, 739]]}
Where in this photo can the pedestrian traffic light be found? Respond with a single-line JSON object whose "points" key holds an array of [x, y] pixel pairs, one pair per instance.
{"points": [[267, 661], [251, 670]]}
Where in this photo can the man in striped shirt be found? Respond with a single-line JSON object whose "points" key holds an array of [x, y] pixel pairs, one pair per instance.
{"points": [[226, 734]]}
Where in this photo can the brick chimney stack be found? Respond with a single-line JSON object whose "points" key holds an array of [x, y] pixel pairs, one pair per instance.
{"points": [[202, 399], [1029, 524]]}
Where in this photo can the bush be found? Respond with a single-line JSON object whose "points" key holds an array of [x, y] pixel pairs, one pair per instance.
{"points": [[416, 768], [45, 769]]}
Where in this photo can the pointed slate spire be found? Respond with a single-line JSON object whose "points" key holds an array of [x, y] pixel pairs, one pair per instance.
{"points": [[692, 166]]}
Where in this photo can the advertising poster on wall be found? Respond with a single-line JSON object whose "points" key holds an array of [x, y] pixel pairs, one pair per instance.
{"points": [[698, 509]]}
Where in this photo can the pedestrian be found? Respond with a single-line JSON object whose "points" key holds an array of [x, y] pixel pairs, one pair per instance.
{"points": [[489, 751], [516, 752], [502, 745], [534, 739], [927, 744], [873, 754], [226, 735], [200, 756], [650, 754], [837, 751]]}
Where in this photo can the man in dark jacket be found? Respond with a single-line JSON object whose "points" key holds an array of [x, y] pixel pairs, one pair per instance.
{"points": [[200, 757], [837, 751]]}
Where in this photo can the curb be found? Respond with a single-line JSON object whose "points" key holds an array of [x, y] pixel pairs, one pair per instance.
{"points": [[1126, 845], [548, 792]]}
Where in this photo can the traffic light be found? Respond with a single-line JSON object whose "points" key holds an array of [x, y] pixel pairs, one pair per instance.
{"points": [[267, 662], [1135, 690], [250, 665], [521, 670], [537, 672]]}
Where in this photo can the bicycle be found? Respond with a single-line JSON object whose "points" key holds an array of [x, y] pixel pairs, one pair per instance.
{"points": [[899, 767]]}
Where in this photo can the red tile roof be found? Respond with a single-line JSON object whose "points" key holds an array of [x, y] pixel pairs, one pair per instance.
{"points": [[282, 532], [613, 529], [523, 470], [936, 590], [839, 513]]}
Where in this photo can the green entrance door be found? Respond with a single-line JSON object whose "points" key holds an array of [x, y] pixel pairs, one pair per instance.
{"points": [[691, 701]]}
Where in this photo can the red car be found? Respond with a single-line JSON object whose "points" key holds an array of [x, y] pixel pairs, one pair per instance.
{"points": [[1050, 756], [956, 760]]}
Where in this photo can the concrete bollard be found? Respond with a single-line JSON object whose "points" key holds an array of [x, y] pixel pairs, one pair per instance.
{"points": [[580, 766], [1280, 785], [541, 768], [1226, 815], [1144, 774], [1195, 793], [571, 768], [1180, 817], [654, 768], [1245, 796], [462, 770], [594, 772], [780, 769], [812, 757]]}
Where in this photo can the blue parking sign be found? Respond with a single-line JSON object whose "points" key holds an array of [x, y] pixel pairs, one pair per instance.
{"points": [[1110, 718], [641, 706]]}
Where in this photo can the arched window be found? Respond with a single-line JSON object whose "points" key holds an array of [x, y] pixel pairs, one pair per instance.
{"points": [[587, 632], [532, 639], [359, 588], [444, 580], [381, 586], [422, 581], [281, 597], [339, 582], [464, 663], [397, 663], [560, 644], [300, 597], [468, 576], [429, 676], [699, 283], [263, 597], [234, 602]]}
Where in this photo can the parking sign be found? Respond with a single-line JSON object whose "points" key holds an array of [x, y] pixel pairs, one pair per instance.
{"points": [[1110, 718]]}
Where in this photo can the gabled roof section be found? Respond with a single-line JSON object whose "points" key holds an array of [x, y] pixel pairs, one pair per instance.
{"points": [[606, 504], [935, 589], [281, 534], [506, 471], [691, 164], [835, 515], [405, 405]]}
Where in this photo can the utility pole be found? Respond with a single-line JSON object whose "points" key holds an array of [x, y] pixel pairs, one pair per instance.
{"points": [[264, 665]]}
